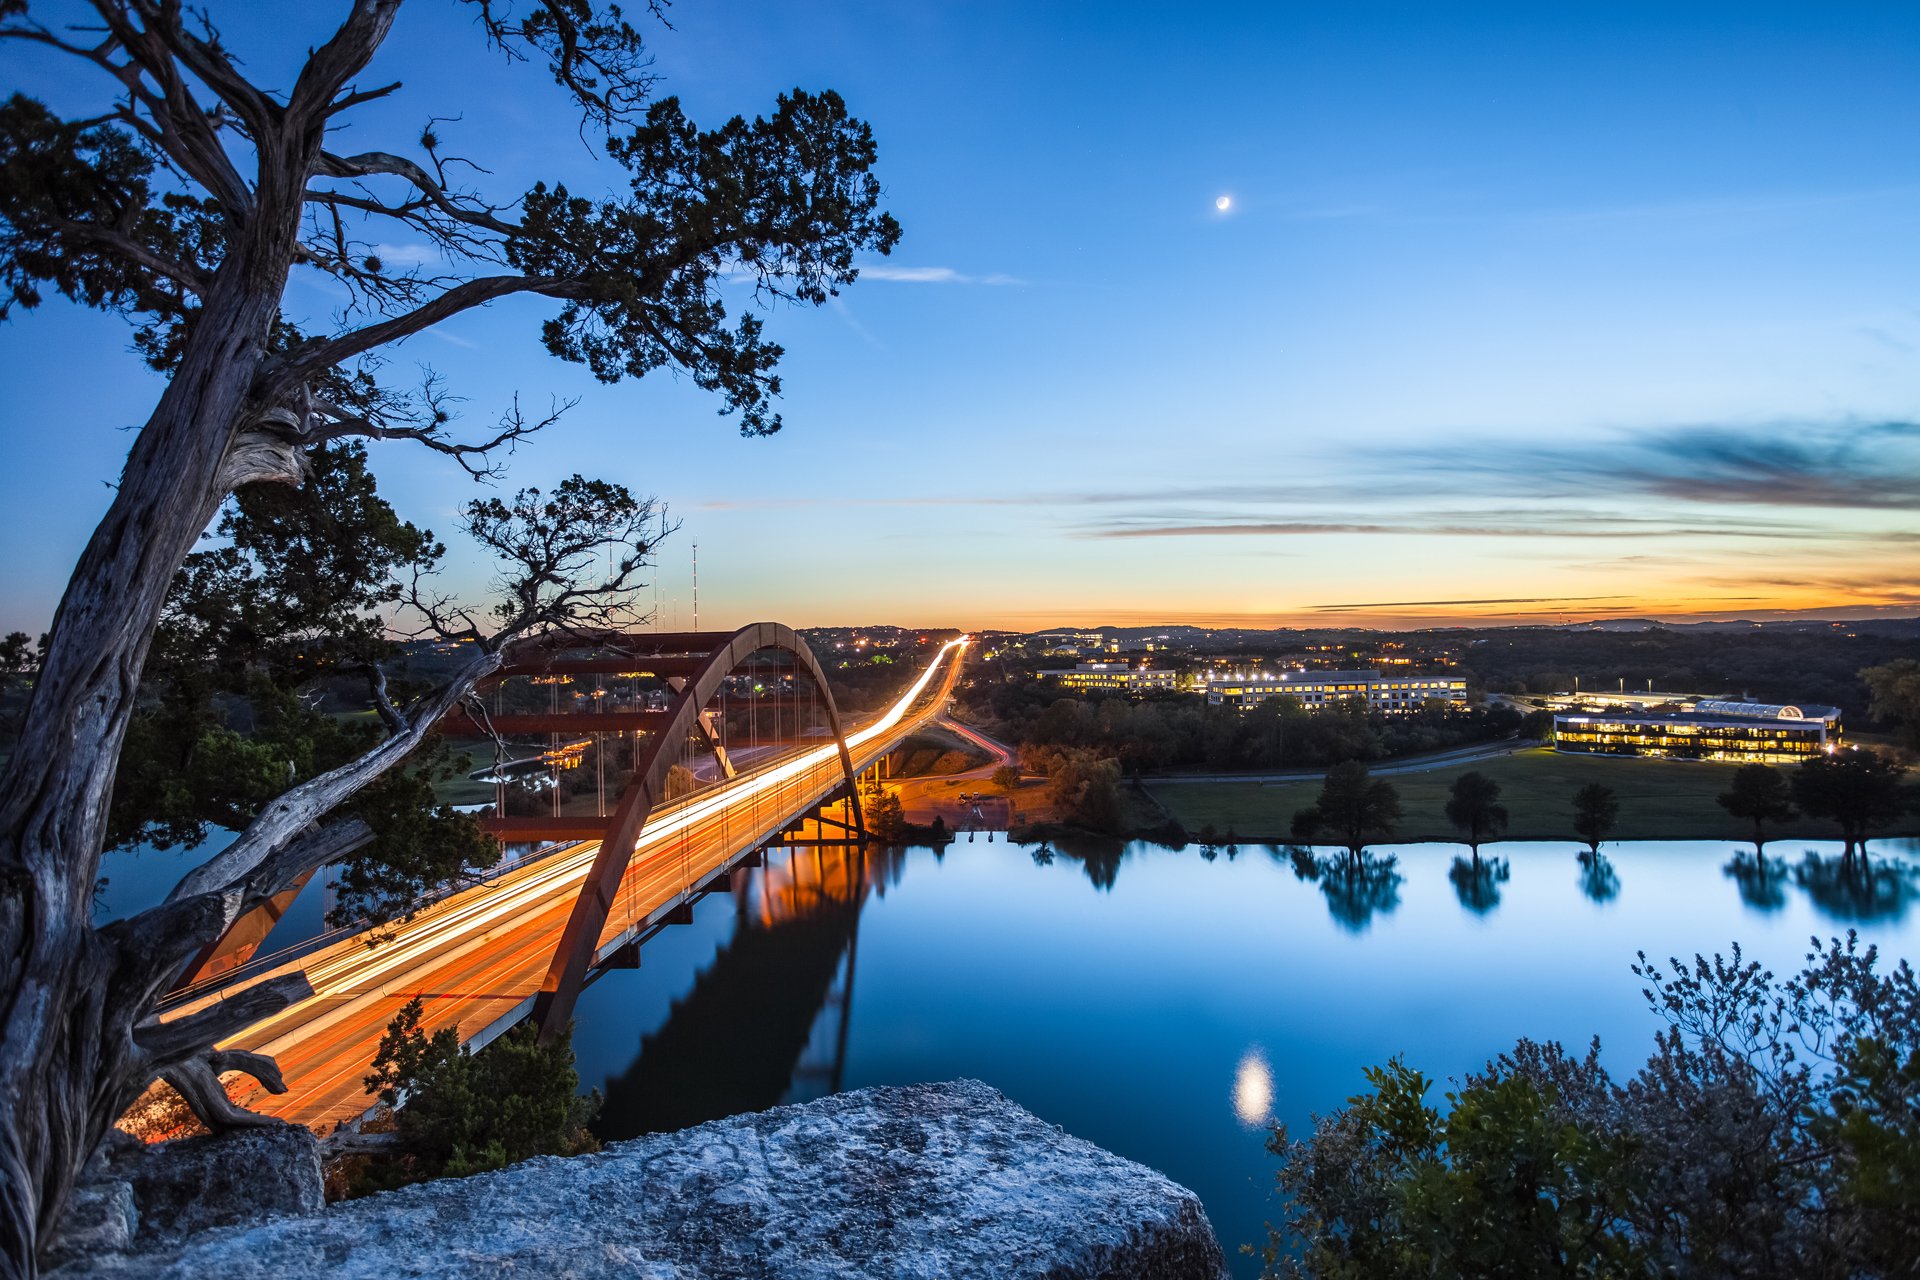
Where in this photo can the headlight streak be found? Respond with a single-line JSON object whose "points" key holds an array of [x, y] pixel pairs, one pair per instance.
{"points": [[455, 928]]}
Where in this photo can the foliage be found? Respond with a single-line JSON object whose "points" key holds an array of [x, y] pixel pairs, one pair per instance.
{"points": [[1775, 1130], [459, 1112], [1083, 786], [1758, 794], [1596, 809], [1859, 789], [1473, 805], [1893, 689], [1006, 779], [1353, 806], [885, 816], [1164, 731]]}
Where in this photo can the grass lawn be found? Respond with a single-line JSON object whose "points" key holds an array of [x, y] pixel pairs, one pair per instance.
{"points": [[1659, 800]]}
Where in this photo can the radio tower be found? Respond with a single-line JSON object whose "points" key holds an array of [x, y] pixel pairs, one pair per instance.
{"points": [[696, 587]]}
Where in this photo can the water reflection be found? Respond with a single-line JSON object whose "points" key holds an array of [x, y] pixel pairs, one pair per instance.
{"points": [[1356, 887], [1099, 856], [1476, 882], [1170, 1014], [750, 1033], [1253, 1088], [1598, 880], [1852, 887], [1762, 880]]}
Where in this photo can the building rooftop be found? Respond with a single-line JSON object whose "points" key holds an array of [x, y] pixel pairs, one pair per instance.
{"points": [[1699, 716]]}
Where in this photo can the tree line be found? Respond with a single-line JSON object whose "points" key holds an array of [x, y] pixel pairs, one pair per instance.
{"points": [[1176, 731]]}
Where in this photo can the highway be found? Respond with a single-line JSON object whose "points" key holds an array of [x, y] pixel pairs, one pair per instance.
{"points": [[477, 958]]}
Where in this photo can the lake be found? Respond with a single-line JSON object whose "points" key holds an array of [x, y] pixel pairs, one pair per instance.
{"points": [[1165, 1005], [1162, 1003]]}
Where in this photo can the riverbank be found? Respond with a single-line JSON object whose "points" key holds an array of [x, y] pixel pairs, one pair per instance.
{"points": [[1659, 800]]}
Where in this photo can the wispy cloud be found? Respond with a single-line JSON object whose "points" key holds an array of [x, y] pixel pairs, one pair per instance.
{"points": [[1594, 527], [1434, 604], [933, 275], [1838, 464]]}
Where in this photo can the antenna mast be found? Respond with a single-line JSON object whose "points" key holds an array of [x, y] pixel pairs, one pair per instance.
{"points": [[696, 586]]}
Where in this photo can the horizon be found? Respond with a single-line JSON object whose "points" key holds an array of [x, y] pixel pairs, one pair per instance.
{"points": [[1512, 316]]}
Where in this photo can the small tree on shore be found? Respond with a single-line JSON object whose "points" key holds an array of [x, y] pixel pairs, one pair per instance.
{"points": [[1353, 806], [1758, 794], [885, 816], [1006, 779], [1858, 789], [457, 1112], [1596, 811], [1473, 806]]}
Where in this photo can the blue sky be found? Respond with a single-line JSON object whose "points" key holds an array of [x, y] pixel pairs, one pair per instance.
{"points": [[1518, 311]]}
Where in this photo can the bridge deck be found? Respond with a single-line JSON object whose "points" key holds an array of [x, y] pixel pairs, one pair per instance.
{"points": [[477, 958]]}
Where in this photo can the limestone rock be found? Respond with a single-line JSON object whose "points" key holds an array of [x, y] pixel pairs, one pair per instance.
{"points": [[924, 1182], [194, 1184], [101, 1218]]}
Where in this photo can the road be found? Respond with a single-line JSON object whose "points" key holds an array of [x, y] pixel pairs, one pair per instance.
{"points": [[477, 958]]}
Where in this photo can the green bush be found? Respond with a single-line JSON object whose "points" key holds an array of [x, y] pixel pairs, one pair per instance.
{"points": [[457, 1112], [1775, 1131]]}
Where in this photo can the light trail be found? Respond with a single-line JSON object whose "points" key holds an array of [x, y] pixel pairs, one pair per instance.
{"points": [[481, 953]]}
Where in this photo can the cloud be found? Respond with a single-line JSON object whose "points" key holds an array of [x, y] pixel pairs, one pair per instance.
{"points": [[933, 275], [1837, 464], [1429, 604], [407, 255], [1545, 527]]}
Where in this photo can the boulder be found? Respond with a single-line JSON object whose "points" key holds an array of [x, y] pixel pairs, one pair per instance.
{"points": [[922, 1182], [194, 1184], [101, 1218]]}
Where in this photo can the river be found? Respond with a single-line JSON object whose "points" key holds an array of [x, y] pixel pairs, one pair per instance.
{"points": [[1168, 1005]]}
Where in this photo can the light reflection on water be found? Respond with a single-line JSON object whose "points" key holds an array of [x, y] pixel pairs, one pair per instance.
{"points": [[1253, 1088], [1167, 1005]]}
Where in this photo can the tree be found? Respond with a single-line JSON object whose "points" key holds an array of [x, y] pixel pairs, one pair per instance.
{"points": [[1858, 789], [1895, 696], [1473, 805], [886, 817], [1353, 806], [457, 1112], [1006, 779], [1758, 794], [185, 196], [1083, 788], [1728, 1154], [1596, 809]]}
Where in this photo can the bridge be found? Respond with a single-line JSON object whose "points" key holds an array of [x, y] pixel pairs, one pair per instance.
{"points": [[747, 747]]}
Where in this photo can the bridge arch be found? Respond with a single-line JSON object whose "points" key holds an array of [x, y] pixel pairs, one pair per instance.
{"points": [[646, 790]]}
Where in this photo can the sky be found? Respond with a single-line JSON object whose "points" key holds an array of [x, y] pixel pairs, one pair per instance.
{"points": [[1531, 313]]}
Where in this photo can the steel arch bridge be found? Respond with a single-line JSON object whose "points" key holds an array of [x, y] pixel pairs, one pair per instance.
{"points": [[698, 665], [525, 942]]}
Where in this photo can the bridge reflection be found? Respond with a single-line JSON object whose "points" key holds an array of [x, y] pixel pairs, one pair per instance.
{"points": [[768, 1020]]}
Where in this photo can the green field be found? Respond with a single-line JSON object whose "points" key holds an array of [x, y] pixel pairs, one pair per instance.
{"points": [[1659, 800]]}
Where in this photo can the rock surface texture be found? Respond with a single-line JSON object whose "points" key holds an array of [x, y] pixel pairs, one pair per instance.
{"points": [[931, 1181]]}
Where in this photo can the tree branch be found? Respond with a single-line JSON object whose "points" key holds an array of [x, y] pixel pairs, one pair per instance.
{"points": [[166, 1043], [309, 360], [235, 868]]}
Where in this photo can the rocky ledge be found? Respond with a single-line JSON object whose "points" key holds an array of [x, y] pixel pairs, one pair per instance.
{"points": [[933, 1181]]}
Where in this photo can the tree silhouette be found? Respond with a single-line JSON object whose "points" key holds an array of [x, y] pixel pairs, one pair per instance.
{"points": [[1858, 789], [1353, 807], [1473, 806], [1759, 795], [1596, 809]]}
